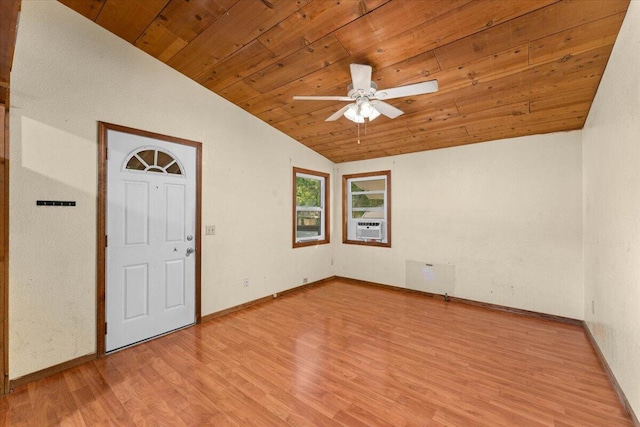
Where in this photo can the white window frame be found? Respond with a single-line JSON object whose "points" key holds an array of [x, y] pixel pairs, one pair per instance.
{"points": [[350, 223], [323, 237]]}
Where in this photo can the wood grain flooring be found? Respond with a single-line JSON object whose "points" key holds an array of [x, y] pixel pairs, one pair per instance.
{"points": [[338, 354]]}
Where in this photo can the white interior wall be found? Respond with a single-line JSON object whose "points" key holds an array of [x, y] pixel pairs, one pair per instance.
{"points": [[68, 74], [611, 144], [506, 214]]}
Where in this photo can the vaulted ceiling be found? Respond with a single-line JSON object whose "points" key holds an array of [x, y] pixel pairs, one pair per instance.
{"points": [[504, 68]]}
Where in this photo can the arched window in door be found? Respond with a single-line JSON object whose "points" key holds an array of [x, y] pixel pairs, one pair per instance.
{"points": [[153, 160]]}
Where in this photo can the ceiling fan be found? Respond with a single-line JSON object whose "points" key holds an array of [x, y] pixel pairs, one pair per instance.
{"points": [[366, 100]]}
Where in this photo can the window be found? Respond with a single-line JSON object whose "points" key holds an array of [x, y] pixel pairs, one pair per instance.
{"points": [[366, 208], [311, 207], [153, 160]]}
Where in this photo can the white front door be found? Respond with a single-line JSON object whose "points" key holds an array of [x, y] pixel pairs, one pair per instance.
{"points": [[150, 260]]}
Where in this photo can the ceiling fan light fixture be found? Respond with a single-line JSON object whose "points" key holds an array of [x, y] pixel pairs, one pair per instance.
{"points": [[374, 114], [361, 110], [352, 114], [366, 109]]}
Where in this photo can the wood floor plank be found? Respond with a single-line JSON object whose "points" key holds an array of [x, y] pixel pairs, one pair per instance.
{"points": [[338, 354]]}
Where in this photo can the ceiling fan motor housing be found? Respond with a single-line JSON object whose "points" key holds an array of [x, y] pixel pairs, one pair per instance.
{"points": [[357, 93]]}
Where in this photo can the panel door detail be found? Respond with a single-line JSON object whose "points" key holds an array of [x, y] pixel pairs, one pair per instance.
{"points": [[150, 266]]}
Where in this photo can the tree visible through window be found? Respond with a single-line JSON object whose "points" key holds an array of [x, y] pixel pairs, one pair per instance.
{"points": [[311, 207], [367, 198]]}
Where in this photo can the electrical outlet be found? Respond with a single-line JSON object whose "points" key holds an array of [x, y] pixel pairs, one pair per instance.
{"points": [[305, 280], [245, 282], [210, 230]]}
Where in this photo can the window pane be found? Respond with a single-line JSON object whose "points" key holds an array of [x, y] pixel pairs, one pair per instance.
{"points": [[164, 159], [367, 214], [308, 224], [369, 185], [367, 200], [135, 164], [308, 192], [174, 169], [148, 156]]}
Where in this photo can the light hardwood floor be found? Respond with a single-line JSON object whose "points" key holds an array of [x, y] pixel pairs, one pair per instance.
{"points": [[338, 354]]}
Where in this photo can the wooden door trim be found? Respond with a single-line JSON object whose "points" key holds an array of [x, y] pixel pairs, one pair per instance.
{"points": [[4, 250], [101, 228]]}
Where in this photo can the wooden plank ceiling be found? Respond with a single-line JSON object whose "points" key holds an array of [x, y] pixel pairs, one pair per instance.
{"points": [[505, 68]]}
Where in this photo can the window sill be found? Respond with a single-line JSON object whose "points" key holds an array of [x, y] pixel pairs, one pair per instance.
{"points": [[310, 243], [363, 243]]}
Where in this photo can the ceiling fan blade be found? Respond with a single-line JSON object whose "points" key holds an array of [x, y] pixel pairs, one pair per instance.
{"points": [[361, 77], [388, 109], [322, 98], [337, 114], [408, 90]]}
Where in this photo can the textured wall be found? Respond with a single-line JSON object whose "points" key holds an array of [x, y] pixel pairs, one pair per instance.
{"points": [[507, 214], [69, 74], [611, 141]]}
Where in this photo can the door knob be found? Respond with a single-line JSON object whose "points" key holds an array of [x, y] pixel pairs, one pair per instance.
{"points": [[190, 251]]}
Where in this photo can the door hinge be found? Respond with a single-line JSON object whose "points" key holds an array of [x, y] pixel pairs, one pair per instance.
{"points": [[106, 153], [106, 241], [105, 328]]}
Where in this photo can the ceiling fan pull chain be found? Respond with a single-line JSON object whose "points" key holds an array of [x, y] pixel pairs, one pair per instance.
{"points": [[358, 124]]}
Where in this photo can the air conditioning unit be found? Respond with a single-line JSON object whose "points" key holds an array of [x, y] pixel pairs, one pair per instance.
{"points": [[369, 230]]}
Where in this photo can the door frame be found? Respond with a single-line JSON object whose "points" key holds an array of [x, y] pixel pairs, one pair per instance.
{"points": [[101, 236], [4, 248]]}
